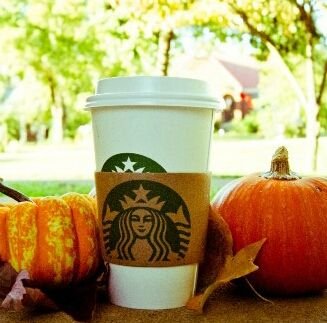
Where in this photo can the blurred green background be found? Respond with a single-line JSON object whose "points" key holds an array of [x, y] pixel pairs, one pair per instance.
{"points": [[268, 59]]}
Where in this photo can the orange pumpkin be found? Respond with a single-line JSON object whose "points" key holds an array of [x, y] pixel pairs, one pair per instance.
{"points": [[54, 238], [291, 212]]}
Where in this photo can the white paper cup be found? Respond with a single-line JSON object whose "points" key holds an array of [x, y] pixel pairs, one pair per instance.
{"points": [[168, 121]]}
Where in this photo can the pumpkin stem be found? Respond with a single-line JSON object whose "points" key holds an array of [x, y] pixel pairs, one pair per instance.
{"points": [[17, 196], [280, 168]]}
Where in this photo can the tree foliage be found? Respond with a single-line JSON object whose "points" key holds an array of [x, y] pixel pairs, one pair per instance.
{"points": [[65, 46], [290, 28], [56, 43], [160, 21]]}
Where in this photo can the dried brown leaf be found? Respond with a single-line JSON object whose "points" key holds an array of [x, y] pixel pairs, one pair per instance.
{"points": [[78, 300], [7, 278], [242, 263], [35, 298], [218, 247], [235, 267], [20, 297], [15, 297]]}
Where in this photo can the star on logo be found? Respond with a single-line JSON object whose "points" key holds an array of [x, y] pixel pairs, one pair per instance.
{"points": [[129, 167], [141, 200], [141, 194]]}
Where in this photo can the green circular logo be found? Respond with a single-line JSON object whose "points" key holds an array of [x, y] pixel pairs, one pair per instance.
{"points": [[131, 163], [145, 220]]}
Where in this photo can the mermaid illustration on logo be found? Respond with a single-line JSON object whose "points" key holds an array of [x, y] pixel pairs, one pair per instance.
{"points": [[138, 217]]}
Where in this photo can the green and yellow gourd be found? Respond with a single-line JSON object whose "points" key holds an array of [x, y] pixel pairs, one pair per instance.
{"points": [[54, 238]]}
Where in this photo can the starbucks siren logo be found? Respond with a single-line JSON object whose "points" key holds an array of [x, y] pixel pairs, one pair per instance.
{"points": [[143, 220]]}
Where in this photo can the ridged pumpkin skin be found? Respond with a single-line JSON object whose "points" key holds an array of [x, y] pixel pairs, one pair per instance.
{"points": [[292, 215], [55, 238]]}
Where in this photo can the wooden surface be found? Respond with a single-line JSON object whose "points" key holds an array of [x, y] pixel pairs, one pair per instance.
{"points": [[229, 305]]}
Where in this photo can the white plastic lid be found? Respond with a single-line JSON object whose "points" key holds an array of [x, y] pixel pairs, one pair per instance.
{"points": [[154, 90]]}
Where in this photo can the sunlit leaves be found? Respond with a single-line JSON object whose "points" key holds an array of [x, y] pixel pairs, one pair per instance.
{"points": [[75, 42], [288, 25]]}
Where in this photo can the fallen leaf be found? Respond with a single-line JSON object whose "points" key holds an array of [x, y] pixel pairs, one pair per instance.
{"points": [[242, 263], [15, 297], [219, 246], [235, 267], [76, 299], [18, 297], [7, 278], [35, 298]]}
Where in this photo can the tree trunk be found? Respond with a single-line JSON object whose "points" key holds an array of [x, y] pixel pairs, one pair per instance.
{"points": [[319, 101], [298, 91], [313, 124], [64, 111], [165, 39], [22, 130], [307, 99], [56, 131]]}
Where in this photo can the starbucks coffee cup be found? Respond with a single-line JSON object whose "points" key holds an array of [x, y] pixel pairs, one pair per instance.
{"points": [[146, 125]]}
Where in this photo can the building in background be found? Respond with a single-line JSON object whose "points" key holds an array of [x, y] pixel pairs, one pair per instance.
{"points": [[236, 80]]}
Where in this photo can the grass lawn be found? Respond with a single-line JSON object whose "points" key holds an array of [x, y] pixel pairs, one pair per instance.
{"points": [[48, 188]]}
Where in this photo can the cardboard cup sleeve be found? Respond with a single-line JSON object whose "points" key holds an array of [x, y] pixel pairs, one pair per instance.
{"points": [[153, 219]]}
